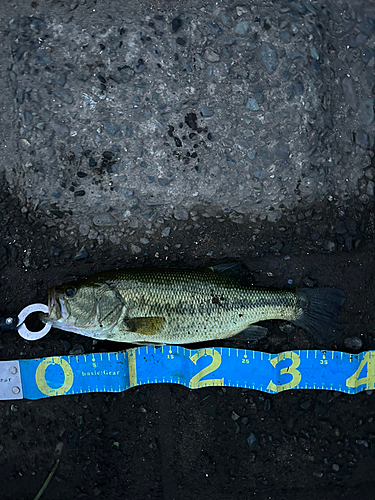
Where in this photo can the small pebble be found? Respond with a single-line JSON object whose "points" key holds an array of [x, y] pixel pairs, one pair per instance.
{"points": [[214, 29], [318, 474], [242, 27], [225, 19], [211, 56], [114, 239], [309, 282], [180, 213], [206, 112], [285, 36], [362, 139], [103, 219], [253, 442], [181, 41], [61, 80], [353, 343], [364, 442], [82, 254], [76, 350], [140, 66], [314, 53], [111, 128], [367, 27], [135, 249], [349, 92], [366, 112], [273, 216], [164, 182], [60, 128], [269, 58], [84, 229], [252, 104], [176, 24], [165, 233], [64, 95]]}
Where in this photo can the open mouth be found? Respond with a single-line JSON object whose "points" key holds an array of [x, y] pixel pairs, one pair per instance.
{"points": [[53, 305], [57, 308], [64, 313]]}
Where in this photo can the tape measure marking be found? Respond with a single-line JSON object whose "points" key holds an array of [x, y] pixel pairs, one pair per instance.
{"points": [[273, 373], [132, 368]]}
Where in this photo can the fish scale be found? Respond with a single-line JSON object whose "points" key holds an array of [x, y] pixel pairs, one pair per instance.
{"points": [[197, 309], [182, 306]]}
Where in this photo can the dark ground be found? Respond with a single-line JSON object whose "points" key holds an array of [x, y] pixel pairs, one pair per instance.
{"points": [[164, 441], [170, 442]]}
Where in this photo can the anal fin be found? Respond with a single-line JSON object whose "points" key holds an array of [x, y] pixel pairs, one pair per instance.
{"points": [[252, 332]]}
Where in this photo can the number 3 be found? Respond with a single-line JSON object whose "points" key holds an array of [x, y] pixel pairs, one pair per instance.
{"points": [[292, 370]]}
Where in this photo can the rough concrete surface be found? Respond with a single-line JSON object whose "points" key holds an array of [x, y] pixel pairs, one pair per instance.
{"points": [[128, 114], [188, 134]]}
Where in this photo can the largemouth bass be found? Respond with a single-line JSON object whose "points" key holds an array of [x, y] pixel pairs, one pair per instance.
{"points": [[177, 306]]}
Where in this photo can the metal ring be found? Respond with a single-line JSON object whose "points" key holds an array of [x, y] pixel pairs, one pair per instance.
{"points": [[21, 327]]}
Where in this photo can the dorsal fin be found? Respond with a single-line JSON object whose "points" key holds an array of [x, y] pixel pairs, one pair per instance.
{"points": [[231, 269]]}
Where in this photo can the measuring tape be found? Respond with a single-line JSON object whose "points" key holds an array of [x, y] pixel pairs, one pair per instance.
{"points": [[119, 371]]}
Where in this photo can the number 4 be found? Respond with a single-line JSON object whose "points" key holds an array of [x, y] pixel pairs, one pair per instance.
{"points": [[369, 380]]}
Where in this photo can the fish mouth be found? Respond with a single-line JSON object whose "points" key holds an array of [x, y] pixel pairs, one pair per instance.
{"points": [[64, 312], [53, 305], [57, 309], [54, 312]]}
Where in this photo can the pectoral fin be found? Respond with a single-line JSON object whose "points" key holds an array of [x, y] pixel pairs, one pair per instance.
{"points": [[145, 326]]}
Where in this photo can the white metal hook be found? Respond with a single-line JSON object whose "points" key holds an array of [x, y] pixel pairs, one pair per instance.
{"points": [[23, 330]]}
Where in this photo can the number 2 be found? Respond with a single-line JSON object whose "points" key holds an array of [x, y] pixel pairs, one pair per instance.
{"points": [[196, 381]]}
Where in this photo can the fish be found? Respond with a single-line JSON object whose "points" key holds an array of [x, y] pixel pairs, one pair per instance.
{"points": [[182, 306]]}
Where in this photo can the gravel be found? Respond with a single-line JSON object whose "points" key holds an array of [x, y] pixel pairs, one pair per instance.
{"points": [[60, 129], [349, 92], [64, 95], [166, 232], [253, 110], [353, 343], [82, 254], [252, 104], [253, 442], [111, 128], [242, 27], [269, 57]]}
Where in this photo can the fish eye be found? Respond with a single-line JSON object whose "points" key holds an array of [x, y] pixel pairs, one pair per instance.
{"points": [[70, 292]]}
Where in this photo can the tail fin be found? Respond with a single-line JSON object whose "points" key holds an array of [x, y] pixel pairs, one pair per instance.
{"points": [[319, 309]]}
